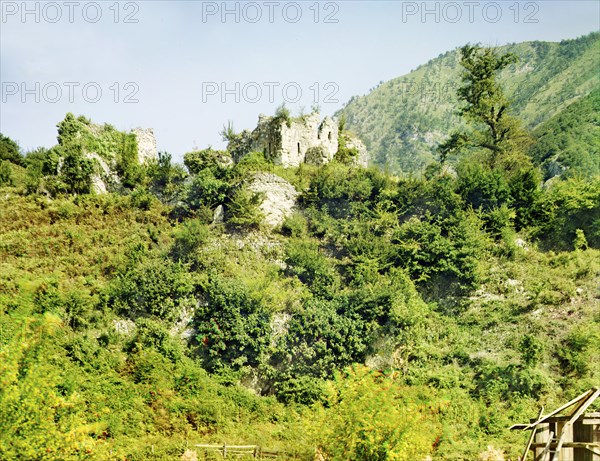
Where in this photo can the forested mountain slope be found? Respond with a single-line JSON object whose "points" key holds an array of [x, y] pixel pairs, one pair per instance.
{"points": [[402, 120]]}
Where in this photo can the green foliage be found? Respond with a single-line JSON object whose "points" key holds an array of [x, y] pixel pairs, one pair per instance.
{"points": [[10, 151], [39, 417], [243, 209], [440, 261], [6, 175], [282, 114], [213, 160], [322, 336], [165, 178], [571, 209], [569, 143], [485, 108], [295, 225], [252, 162], [578, 354], [482, 187], [531, 348], [152, 288], [188, 239], [306, 261], [78, 137], [75, 173], [370, 416], [403, 120], [437, 282], [345, 154], [232, 326]]}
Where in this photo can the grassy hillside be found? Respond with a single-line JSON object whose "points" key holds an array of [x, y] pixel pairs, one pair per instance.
{"points": [[402, 120], [132, 328]]}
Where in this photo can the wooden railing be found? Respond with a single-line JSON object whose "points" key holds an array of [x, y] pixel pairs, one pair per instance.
{"points": [[253, 451]]}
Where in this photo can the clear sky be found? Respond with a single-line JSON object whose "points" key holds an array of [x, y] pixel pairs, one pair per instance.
{"points": [[185, 68]]}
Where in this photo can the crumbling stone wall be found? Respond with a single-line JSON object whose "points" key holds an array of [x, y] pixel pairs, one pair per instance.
{"points": [[287, 142]]}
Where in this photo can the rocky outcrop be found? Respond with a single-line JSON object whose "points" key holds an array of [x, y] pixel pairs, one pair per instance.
{"points": [[146, 142], [352, 142], [103, 176], [279, 197]]}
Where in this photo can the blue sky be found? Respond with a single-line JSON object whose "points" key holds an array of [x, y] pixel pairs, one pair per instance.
{"points": [[185, 68]]}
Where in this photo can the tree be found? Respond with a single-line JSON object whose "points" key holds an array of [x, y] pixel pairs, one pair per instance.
{"points": [[9, 150], [485, 107]]}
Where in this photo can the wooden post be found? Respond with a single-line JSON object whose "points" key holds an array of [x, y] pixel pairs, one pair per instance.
{"points": [[586, 429], [582, 433], [542, 433], [225, 450], [566, 454], [531, 438]]}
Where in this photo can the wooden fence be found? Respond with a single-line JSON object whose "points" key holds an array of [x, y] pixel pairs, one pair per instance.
{"points": [[249, 451]]}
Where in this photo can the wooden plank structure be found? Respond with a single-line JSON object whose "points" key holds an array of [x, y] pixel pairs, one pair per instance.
{"points": [[572, 436], [248, 451]]}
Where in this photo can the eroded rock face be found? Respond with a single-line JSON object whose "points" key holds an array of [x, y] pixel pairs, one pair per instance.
{"points": [[103, 178], [279, 197], [146, 144], [352, 142]]}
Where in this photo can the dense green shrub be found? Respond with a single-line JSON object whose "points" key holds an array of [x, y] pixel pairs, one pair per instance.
{"points": [[10, 151], [40, 418], [307, 262], [154, 287], [568, 206], [243, 209], [6, 174], [440, 258], [213, 160], [232, 326], [371, 417], [165, 178], [321, 338], [482, 187], [191, 236]]}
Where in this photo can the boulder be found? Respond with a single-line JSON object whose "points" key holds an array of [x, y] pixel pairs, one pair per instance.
{"points": [[279, 197]]}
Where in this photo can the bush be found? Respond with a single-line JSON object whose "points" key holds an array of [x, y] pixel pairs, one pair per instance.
{"points": [[40, 418], [154, 287], [205, 190], [568, 206], [6, 175], [321, 338], [165, 178], [213, 160], [233, 327], [371, 417], [481, 187], [305, 260], [188, 238], [243, 209]]}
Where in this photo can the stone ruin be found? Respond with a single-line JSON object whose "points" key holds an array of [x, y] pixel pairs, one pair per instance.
{"points": [[146, 144], [292, 141]]}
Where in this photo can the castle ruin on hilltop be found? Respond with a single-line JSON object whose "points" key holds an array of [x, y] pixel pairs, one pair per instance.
{"points": [[292, 141]]}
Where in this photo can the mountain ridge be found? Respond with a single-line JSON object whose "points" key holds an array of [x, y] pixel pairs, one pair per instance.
{"points": [[402, 120]]}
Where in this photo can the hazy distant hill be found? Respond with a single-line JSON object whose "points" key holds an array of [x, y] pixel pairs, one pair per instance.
{"points": [[402, 120]]}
